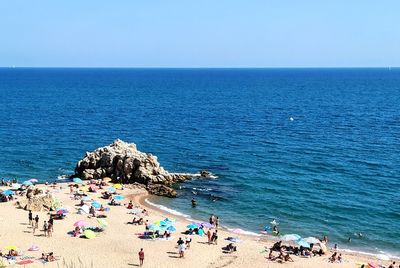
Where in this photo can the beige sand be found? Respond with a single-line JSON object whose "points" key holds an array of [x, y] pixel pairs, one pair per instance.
{"points": [[118, 246]]}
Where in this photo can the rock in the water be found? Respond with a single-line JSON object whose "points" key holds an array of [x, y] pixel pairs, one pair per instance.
{"points": [[162, 190], [122, 162]]}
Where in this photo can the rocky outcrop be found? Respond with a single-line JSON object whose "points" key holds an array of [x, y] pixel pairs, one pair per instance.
{"points": [[122, 162], [162, 190], [36, 200]]}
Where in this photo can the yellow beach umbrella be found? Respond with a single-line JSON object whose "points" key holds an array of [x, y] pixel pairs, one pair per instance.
{"points": [[84, 188], [11, 247], [89, 234], [117, 186], [107, 179], [102, 222]]}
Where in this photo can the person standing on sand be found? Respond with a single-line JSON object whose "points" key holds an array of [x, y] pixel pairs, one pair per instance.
{"points": [[209, 236], [30, 217], [141, 257], [216, 222], [36, 221], [45, 228]]}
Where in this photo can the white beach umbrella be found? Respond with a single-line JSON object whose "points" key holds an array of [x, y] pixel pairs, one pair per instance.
{"points": [[312, 240], [290, 237]]}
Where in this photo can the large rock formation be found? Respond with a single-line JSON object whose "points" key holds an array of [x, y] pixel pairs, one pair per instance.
{"points": [[122, 162], [36, 200]]}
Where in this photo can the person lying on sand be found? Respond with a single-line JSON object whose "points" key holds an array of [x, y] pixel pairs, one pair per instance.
{"points": [[271, 255], [230, 248]]}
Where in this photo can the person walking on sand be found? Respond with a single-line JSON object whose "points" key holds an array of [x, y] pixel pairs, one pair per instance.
{"points": [[141, 257], [216, 222]]}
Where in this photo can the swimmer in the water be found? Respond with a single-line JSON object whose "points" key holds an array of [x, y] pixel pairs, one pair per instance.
{"points": [[194, 203]]}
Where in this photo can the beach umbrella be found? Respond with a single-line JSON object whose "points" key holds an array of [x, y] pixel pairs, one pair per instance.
{"points": [[154, 227], [192, 226], [93, 186], [102, 222], [233, 239], [206, 224], [27, 183], [373, 265], [111, 189], [24, 262], [96, 204], [8, 192], [16, 185], [33, 248], [85, 209], [290, 237], [89, 234], [312, 240], [118, 197], [171, 228], [107, 179], [11, 247], [77, 180], [86, 198], [237, 231], [118, 186], [81, 223], [33, 180], [302, 242], [84, 188], [170, 220]]}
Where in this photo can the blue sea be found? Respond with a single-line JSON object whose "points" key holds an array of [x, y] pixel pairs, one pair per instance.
{"points": [[317, 149]]}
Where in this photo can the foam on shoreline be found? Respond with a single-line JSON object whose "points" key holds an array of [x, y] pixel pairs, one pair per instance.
{"points": [[250, 233]]}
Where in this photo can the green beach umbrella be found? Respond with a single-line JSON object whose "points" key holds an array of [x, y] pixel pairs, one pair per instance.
{"points": [[89, 234]]}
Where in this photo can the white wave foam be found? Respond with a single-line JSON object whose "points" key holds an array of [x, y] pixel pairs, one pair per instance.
{"points": [[169, 210], [390, 256]]}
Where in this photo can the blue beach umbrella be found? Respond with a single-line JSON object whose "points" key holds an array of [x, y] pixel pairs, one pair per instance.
{"points": [[118, 197], [27, 183], [96, 204], [171, 228], [86, 198], [8, 192], [77, 180], [154, 227], [192, 226], [111, 189], [302, 242]]}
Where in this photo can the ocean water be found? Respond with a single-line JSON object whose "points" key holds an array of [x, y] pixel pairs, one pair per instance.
{"points": [[317, 149]]}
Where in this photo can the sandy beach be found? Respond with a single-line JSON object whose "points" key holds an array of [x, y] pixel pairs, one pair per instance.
{"points": [[119, 244]]}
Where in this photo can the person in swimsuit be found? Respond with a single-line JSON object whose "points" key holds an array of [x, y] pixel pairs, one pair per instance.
{"points": [[141, 257]]}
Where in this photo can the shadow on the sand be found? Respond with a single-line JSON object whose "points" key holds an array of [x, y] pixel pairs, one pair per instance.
{"points": [[203, 242], [175, 257], [171, 252], [131, 264], [22, 223]]}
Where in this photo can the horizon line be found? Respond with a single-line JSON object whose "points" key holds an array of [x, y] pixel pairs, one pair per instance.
{"points": [[200, 67]]}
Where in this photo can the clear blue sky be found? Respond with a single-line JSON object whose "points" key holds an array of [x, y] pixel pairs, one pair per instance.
{"points": [[202, 33]]}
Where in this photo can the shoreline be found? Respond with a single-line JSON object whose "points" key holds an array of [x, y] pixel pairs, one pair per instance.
{"points": [[143, 201]]}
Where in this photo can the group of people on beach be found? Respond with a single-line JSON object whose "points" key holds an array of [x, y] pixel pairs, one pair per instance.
{"points": [[281, 253]]}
